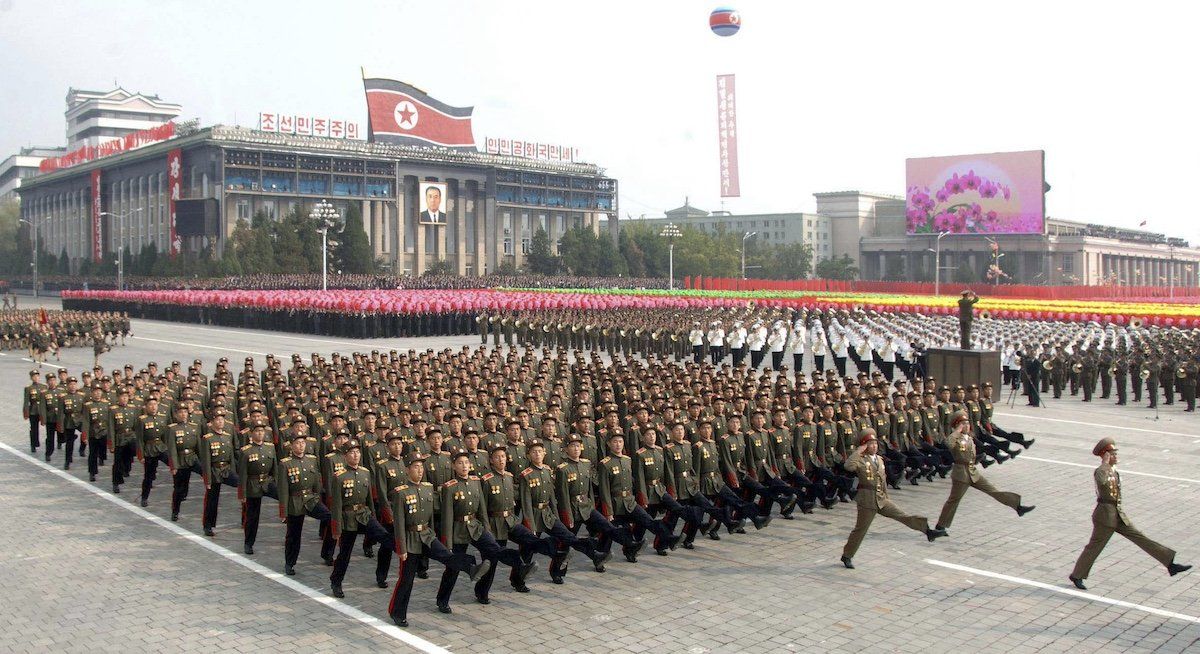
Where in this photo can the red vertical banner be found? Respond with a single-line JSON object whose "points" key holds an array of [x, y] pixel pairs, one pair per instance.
{"points": [[727, 136], [174, 182], [97, 237]]}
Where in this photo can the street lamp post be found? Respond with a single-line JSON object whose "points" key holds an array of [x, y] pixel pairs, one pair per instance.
{"points": [[671, 232], [33, 227], [325, 214], [937, 265], [745, 236], [121, 243]]}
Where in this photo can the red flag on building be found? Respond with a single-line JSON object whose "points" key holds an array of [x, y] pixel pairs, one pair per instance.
{"points": [[402, 113]]}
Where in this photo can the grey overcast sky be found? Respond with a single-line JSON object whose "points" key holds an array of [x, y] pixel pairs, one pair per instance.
{"points": [[831, 95]]}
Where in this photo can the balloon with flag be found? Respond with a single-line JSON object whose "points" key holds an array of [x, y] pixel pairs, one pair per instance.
{"points": [[724, 21]]}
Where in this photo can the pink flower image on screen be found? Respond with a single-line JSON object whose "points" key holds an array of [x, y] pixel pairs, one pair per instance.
{"points": [[998, 193]]}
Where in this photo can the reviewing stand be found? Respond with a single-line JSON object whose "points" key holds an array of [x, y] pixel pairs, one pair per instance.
{"points": [[954, 367]]}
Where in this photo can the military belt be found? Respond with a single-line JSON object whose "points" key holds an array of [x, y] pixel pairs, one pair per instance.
{"points": [[187, 451], [580, 498], [498, 514], [541, 505], [622, 494], [218, 464], [415, 528], [1105, 500], [357, 507], [468, 518]]}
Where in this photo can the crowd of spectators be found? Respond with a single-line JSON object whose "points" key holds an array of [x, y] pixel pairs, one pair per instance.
{"points": [[52, 283]]}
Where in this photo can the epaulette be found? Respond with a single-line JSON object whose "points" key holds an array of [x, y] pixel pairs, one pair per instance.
{"points": [[285, 459], [583, 460], [526, 471], [604, 460], [641, 449], [402, 487], [486, 476], [246, 446], [507, 473], [327, 454], [425, 483], [450, 483], [563, 464]]}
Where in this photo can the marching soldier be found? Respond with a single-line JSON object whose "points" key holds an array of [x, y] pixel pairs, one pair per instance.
{"points": [[152, 446], [256, 478], [97, 427], [618, 504], [183, 457], [298, 481], [465, 522], [500, 501], [354, 511], [873, 497], [1109, 517], [412, 511], [70, 414], [964, 475], [33, 410], [123, 443], [577, 504], [539, 514], [216, 468]]}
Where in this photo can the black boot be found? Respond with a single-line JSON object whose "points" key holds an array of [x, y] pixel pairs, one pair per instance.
{"points": [[846, 562]]}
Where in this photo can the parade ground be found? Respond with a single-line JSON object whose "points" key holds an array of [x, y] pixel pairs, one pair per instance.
{"points": [[86, 570]]}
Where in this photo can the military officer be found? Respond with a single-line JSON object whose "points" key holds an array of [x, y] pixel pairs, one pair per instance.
{"points": [[32, 409], [183, 457], [97, 426], [1109, 517], [539, 513], [652, 483], [70, 412], [964, 475], [574, 491], [152, 446], [217, 469], [123, 444], [298, 480], [618, 504], [354, 511], [256, 478], [500, 502], [411, 507], [465, 522], [873, 497]]}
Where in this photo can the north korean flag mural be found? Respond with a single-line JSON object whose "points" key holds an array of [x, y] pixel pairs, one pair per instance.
{"points": [[402, 113]]}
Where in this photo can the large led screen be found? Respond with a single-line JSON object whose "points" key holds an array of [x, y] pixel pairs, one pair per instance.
{"points": [[998, 193]]}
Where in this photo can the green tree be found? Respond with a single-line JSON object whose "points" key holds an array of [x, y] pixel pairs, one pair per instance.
{"points": [[147, 260], [541, 259], [635, 260], [15, 248], [353, 252], [839, 268], [64, 262], [580, 252], [440, 267], [253, 247], [895, 269], [964, 274], [609, 262]]}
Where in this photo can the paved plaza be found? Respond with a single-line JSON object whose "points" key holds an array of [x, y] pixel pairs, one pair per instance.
{"points": [[84, 570]]}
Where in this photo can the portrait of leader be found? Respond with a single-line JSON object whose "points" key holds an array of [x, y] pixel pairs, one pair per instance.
{"points": [[433, 199]]}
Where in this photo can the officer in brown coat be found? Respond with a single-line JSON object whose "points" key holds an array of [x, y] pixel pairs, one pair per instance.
{"points": [[873, 497], [965, 475], [1109, 517]]}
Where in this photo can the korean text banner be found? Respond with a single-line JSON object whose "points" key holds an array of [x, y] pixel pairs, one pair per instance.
{"points": [[998, 193]]}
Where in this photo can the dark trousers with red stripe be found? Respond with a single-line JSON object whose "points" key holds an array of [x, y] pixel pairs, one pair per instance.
{"points": [[150, 472], [66, 442], [564, 539], [295, 526], [640, 522], [35, 440], [183, 481], [383, 560], [122, 465], [51, 435], [96, 453], [251, 511], [460, 562], [527, 544], [212, 500], [489, 549]]}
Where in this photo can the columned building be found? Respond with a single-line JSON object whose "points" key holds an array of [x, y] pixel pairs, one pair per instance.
{"points": [[495, 203]]}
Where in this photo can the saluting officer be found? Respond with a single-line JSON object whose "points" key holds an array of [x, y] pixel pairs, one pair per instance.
{"points": [[873, 497], [1109, 517], [964, 475]]}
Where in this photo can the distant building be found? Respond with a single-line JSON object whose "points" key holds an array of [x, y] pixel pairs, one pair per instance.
{"points": [[94, 117], [20, 166]]}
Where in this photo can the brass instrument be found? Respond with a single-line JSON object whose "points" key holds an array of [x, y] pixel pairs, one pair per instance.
{"points": [[986, 313], [1112, 370], [1135, 323], [1181, 372], [1144, 374], [1048, 364], [1077, 367]]}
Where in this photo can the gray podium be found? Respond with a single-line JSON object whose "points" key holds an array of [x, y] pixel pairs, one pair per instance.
{"points": [[954, 367]]}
